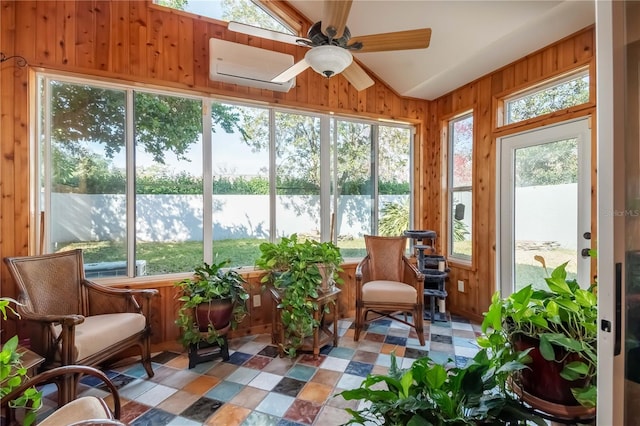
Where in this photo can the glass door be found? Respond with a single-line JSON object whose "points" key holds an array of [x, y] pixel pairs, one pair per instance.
{"points": [[545, 205]]}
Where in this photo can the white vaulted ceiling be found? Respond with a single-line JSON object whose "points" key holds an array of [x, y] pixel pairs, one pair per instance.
{"points": [[469, 39]]}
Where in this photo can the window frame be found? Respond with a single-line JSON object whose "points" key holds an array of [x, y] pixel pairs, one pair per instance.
{"points": [[43, 233], [447, 124], [501, 101], [284, 14]]}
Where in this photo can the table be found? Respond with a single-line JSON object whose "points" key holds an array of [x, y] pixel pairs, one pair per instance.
{"points": [[322, 334], [30, 360]]}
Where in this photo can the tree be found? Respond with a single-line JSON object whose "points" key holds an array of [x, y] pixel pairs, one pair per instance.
{"points": [[561, 96], [86, 120], [547, 164], [248, 12]]}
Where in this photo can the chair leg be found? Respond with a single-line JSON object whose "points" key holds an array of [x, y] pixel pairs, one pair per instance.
{"points": [[419, 324], [356, 335], [145, 350]]}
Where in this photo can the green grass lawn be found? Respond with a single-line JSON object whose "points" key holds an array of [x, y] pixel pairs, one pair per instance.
{"points": [[168, 258]]}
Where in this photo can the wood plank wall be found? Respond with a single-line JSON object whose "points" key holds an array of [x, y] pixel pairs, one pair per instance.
{"points": [[138, 42], [147, 44], [482, 97]]}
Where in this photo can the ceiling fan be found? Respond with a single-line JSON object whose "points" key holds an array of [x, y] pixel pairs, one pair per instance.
{"points": [[331, 44]]}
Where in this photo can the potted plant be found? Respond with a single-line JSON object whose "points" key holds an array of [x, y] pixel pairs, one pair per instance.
{"points": [[329, 263], [13, 374], [213, 302], [297, 270], [275, 258], [428, 393], [557, 328]]}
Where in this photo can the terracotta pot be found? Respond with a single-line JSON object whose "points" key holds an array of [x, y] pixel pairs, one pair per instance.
{"points": [[542, 379], [327, 277], [216, 312]]}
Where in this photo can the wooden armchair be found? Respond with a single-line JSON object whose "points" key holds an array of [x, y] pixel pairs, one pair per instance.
{"points": [[386, 284], [77, 411], [76, 321]]}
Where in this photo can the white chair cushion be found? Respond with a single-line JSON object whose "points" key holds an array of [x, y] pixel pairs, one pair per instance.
{"points": [[84, 408], [389, 291], [98, 332]]}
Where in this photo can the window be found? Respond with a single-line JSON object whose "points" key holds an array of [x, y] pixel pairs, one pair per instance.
{"points": [[244, 11], [460, 222], [372, 182], [149, 182], [297, 169], [559, 94]]}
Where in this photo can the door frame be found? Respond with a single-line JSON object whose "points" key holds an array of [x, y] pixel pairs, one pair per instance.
{"points": [[504, 185], [610, 92]]}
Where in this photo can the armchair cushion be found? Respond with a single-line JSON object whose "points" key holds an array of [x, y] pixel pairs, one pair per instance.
{"points": [[388, 291], [99, 332], [75, 409], [84, 408]]}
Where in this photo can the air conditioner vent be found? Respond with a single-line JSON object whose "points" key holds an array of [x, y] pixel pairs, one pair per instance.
{"points": [[247, 65]]}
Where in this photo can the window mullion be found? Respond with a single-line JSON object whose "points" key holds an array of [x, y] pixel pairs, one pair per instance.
{"points": [[207, 182], [272, 175], [131, 182], [375, 175], [325, 178]]}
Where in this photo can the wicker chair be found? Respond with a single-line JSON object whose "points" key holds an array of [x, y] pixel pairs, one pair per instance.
{"points": [[77, 411], [387, 284], [75, 321]]}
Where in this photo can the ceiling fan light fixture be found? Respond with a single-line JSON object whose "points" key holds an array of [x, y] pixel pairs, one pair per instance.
{"points": [[328, 60]]}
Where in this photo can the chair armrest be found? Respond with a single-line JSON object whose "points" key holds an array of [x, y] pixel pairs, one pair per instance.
{"points": [[411, 275], [60, 374], [362, 270], [105, 300], [49, 319]]}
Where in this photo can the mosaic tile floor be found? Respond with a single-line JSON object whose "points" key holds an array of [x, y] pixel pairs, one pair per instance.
{"points": [[256, 387]]}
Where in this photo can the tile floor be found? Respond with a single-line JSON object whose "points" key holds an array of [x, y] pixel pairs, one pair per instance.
{"points": [[256, 387]]}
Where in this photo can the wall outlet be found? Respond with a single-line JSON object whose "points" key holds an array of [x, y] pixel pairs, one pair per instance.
{"points": [[461, 286], [257, 301]]}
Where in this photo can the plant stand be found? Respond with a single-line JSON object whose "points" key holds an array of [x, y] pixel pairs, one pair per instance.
{"points": [[326, 333], [556, 413], [204, 351]]}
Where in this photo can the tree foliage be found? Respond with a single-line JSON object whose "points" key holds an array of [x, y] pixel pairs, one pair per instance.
{"points": [[561, 96], [86, 120], [248, 12], [547, 164]]}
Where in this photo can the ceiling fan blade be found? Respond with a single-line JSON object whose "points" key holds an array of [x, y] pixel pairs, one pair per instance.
{"points": [[400, 40], [239, 27], [291, 72], [357, 76], [334, 17]]}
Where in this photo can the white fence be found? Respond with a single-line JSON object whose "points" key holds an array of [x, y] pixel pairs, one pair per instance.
{"points": [[81, 217], [77, 217]]}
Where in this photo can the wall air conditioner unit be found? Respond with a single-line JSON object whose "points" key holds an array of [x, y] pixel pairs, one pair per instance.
{"points": [[247, 65]]}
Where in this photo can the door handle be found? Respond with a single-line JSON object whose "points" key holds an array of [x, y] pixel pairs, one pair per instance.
{"points": [[587, 235]]}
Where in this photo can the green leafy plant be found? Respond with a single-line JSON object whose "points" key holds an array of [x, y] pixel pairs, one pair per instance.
{"points": [[394, 218], [428, 393], [209, 283], [564, 317], [276, 258], [293, 268], [13, 373]]}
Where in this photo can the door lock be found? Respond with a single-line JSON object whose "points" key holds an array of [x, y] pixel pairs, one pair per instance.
{"points": [[585, 252]]}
